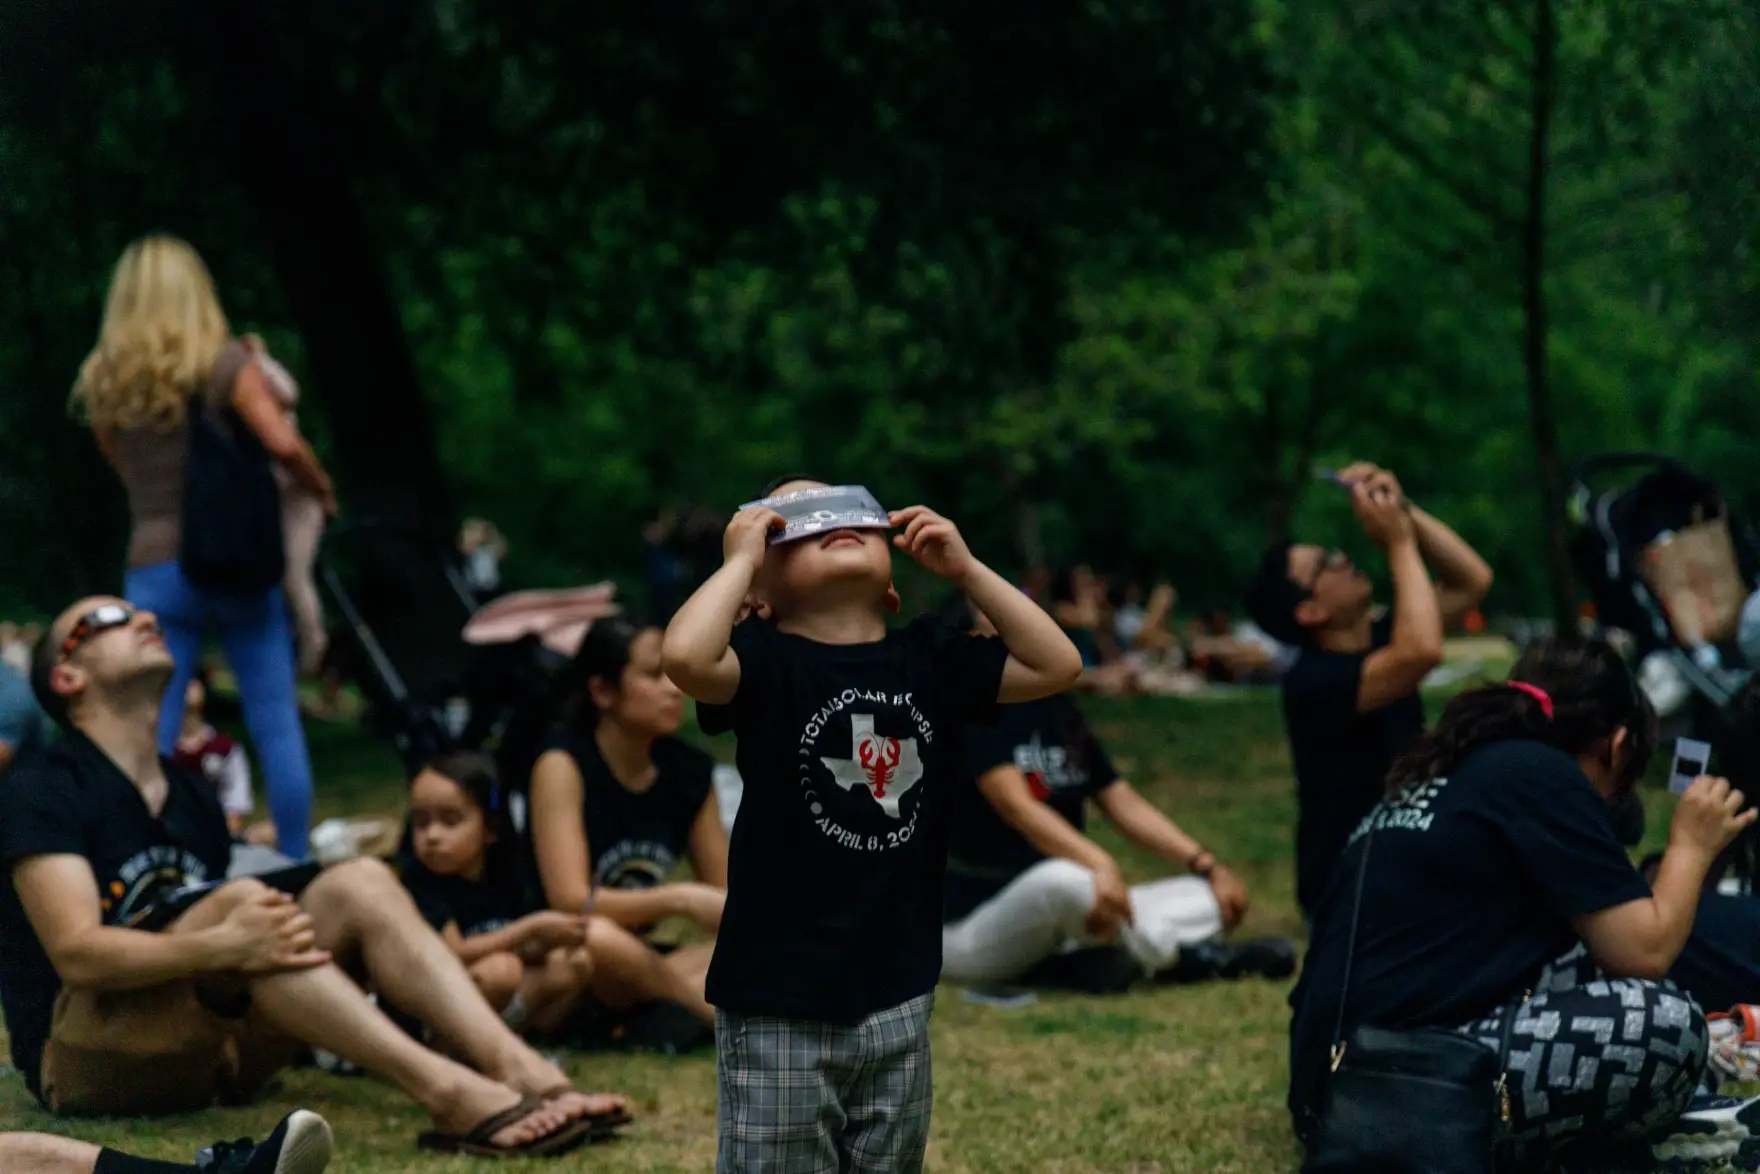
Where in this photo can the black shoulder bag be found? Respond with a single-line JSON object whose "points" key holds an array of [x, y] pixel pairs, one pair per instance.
{"points": [[232, 538], [1424, 1101]]}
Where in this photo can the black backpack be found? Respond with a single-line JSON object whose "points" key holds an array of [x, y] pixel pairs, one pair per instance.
{"points": [[232, 538]]}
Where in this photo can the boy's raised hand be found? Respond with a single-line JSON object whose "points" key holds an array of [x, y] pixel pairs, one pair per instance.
{"points": [[933, 541], [748, 535]]}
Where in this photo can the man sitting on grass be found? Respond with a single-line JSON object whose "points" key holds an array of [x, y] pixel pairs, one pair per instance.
{"points": [[1350, 700], [111, 1017], [299, 1145]]}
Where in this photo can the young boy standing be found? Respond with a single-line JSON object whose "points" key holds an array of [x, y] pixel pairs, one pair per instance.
{"points": [[830, 944]]}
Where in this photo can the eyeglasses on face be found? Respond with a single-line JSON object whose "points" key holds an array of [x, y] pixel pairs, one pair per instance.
{"points": [[93, 624]]}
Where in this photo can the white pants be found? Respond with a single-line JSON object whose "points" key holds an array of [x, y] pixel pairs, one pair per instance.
{"points": [[1041, 913]]}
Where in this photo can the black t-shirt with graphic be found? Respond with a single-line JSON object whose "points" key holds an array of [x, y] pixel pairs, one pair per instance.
{"points": [[637, 839], [71, 799], [850, 758], [497, 900], [1050, 744], [1473, 881], [1341, 757]]}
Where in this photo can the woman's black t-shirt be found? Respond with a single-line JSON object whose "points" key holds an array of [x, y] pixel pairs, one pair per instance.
{"points": [[1064, 765], [499, 899], [1473, 882], [636, 838], [850, 756]]}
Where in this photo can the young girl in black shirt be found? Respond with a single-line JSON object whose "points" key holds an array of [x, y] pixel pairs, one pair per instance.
{"points": [[531, 964]]}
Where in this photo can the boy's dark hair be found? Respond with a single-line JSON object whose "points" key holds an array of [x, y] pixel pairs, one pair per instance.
{"points": [[1592, 693], [1273, 597], [43, 660], [776, 483]]}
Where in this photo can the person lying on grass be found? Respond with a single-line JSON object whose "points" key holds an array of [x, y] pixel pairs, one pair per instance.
{"points": [[115, 1011], [824, 972], [1026, 884], [531, 964], [300, 1144]]}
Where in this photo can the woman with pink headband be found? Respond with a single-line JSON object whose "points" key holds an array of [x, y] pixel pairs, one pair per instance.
{"points": [[1488, 895]]}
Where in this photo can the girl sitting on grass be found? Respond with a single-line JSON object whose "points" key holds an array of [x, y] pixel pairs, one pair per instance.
{"points": [[531, 964]]}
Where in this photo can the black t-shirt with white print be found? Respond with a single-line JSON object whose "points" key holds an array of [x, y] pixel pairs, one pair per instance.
{"points": [[850, 758], [637, 838], [1050, 744], [495, 901], [1341, 757], [1473, 882], [71, 799]]}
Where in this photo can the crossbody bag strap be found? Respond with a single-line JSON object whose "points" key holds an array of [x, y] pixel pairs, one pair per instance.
{"points": [[1350, 952]]}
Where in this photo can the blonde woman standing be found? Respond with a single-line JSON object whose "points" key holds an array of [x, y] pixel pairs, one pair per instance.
{"points": [[165, 340]]}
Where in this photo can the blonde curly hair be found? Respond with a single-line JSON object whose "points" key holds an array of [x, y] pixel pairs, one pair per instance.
{"points": [[162, 330]]}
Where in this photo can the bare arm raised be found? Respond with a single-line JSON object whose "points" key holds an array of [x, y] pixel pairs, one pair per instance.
{"points": [[696, 653]]}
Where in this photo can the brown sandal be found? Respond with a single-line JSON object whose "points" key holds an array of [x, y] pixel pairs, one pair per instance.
{"points": [[479, 1143]]}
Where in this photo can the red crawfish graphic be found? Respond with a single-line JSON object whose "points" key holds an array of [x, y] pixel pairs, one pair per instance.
{"points": [[879, 758], [886, 768]]}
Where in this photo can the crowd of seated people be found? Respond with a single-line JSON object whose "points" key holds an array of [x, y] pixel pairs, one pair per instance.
{"points": [[1131, 641]]}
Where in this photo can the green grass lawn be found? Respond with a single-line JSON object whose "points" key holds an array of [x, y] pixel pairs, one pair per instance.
{"points": [[1179, 1079]]}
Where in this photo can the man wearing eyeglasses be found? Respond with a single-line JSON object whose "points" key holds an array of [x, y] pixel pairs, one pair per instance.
{"points": [[115, 1010], [1350, 700]]}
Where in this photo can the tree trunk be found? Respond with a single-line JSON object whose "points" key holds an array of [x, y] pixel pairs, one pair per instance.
{"points": [[277, 129], [1546, 459], [291, 163]]}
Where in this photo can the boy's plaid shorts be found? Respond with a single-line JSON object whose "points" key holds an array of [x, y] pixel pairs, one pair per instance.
{"points": [[820, 1098]]}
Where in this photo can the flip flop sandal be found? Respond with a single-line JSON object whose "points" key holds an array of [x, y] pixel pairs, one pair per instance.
{"points": [[603, 1124], [478, 1142]]}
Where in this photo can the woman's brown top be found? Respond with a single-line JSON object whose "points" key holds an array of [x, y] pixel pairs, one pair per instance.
{"points": [[149, 461]]}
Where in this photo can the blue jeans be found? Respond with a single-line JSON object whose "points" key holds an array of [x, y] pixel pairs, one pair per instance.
{"points": [[257, 636]]}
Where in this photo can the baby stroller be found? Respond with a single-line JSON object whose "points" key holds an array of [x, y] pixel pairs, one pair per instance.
{"points": [[441, 669], [1666, 561]]}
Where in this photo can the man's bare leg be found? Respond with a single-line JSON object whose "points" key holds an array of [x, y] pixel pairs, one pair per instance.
{"points": [[40, 1153], [627, 971], [361, 909], [322, 1007]]}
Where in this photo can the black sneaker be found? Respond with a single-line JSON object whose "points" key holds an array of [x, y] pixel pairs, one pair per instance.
{"points": [[300, 1145], [1256, 957], [1093, 970]]}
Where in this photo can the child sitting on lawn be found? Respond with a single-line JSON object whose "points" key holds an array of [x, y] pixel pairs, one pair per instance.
{"points": [[531, 964], [830, 944]]}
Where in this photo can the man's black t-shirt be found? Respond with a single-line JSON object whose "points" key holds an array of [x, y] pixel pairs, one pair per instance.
{"points": [[1341, 756], [850, 756], [635, 838], [500, 898], [71, 799], [1473, 882], [1050, 744]]}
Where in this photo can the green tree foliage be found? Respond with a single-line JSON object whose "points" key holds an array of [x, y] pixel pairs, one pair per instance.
{"points": [[1104, 281]]}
